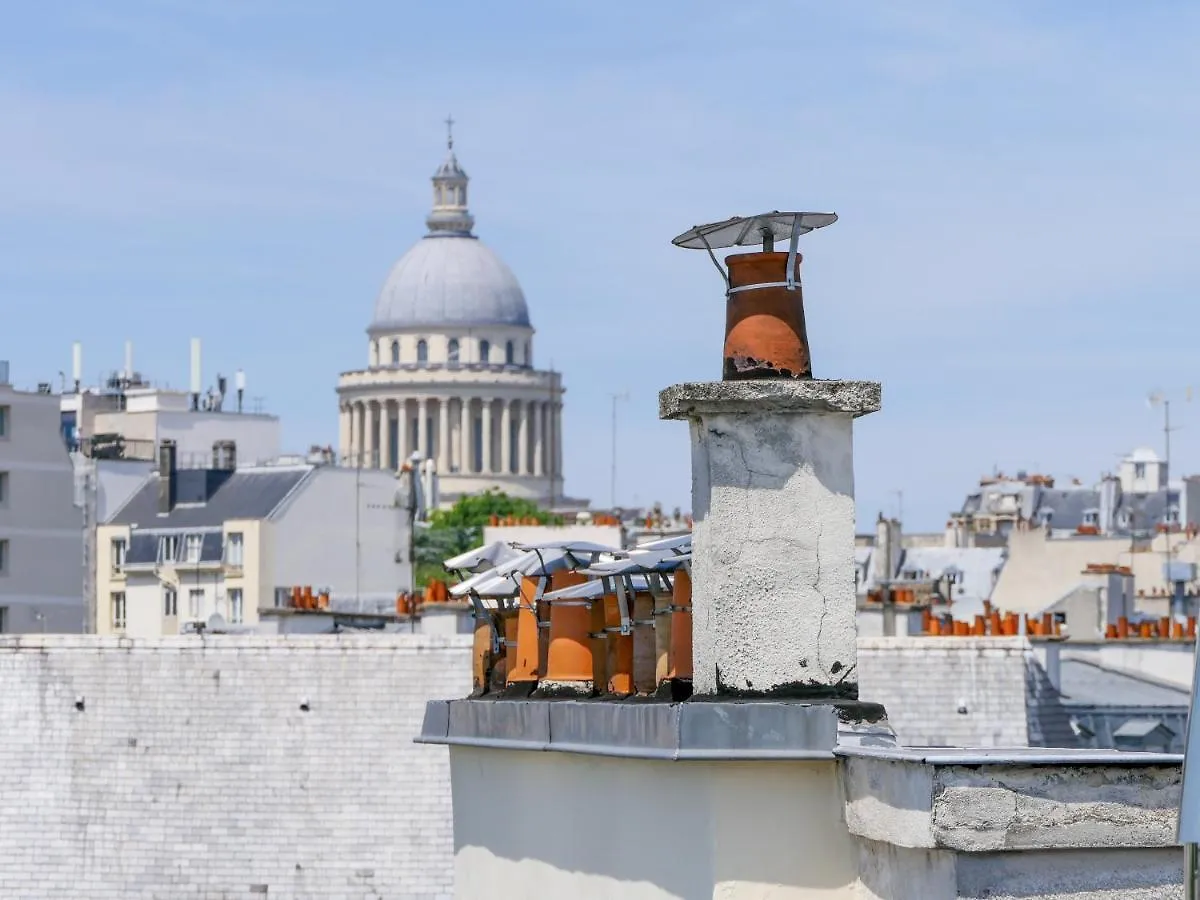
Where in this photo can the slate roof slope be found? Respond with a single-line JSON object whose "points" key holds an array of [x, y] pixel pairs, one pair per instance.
{"points": [[251, 493], [963, 692], [1084, 682]]}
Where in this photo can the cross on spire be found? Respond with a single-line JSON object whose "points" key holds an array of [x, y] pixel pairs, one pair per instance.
{"points": [[449, 132]]}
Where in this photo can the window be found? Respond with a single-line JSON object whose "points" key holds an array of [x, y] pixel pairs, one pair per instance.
{"points": [[3, 488], [452, 350], [1139, 470], [3, 557], [528, 355], [233, 549], [485, 351], [235, 606], [118, 554], [395, 353], [170, 602], [510, 354], [422, 352], [1091, 517], [5, 412], [117, 599], [195, 602], [168, 548], [192, 545]]}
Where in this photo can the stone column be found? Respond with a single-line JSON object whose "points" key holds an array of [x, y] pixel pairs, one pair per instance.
{"points": [[466, 456], [345, 433], [385, 435], [558, 441], [506, 436], [773, 594], [402, 431], [523, 438], [422, 428], [539, 456], [371, 435], [443, 435], [356, 431], [486, 418]]}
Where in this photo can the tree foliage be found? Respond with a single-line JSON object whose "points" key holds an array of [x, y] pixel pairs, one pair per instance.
{"points": [[474, 511], [460, 528]]}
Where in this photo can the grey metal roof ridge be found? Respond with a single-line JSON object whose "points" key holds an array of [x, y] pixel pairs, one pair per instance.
{"points": [[673, 731], [1011, 756]]}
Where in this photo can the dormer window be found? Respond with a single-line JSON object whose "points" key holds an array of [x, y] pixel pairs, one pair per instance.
{"points": [[1091, 517], [1123, 518], [191, 548], [168, 548], [1139, 470]]}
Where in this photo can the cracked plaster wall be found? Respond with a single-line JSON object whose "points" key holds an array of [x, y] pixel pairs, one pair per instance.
{"points": [[773, 580]]}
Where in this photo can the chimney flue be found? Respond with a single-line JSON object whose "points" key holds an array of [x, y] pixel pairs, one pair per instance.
{"points": [[77, 364], [765, 334], [239, 382], [166, 476], [773, 586], [195, 379]]}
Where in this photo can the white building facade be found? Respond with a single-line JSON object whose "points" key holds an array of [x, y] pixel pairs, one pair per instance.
{"points": [[450, 373], [41, 529]]}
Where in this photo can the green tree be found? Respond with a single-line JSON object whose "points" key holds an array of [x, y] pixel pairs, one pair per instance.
{"points": [[460, 528]]}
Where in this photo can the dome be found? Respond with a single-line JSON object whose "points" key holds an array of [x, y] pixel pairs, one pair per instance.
{"points": [[450, 279]]}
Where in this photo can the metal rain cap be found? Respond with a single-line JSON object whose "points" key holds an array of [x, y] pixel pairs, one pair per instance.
{"points": [[486, 556], [742, 231], [569, 546], [486, 584], [680, 544], [592, 590], [640, 561]]}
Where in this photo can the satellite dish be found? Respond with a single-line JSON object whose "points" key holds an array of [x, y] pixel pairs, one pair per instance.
{"points": [[216, 622]]}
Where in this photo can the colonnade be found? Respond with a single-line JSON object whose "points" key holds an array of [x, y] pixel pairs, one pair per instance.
{"points": [[469, 435]]}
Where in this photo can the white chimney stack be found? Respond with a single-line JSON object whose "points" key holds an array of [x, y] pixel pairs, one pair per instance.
{"points": [[195, 383], [77, 364]]}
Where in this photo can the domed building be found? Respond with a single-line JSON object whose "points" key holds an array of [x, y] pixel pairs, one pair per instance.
{"points": [[450, 371]]}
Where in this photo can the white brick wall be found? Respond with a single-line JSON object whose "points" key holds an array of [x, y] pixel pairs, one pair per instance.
{"points": [[923, 682], [192, 770]]}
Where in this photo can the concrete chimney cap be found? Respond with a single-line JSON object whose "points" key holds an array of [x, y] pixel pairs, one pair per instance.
{"points": [[695, 399]]}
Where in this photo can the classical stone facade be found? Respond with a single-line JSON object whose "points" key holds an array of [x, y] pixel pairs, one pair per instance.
{"points": [[450, 374]]}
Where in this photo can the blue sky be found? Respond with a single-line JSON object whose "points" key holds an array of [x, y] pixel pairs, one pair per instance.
{"points": [[1015, 260]]}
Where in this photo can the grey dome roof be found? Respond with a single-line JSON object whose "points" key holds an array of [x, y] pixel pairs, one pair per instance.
{"points": [[452, 280]]}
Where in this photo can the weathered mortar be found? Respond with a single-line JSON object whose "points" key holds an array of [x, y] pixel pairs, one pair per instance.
{"points": [[193, 768]]}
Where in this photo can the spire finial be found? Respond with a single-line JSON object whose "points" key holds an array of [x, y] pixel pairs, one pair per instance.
{"points": [[449, 132]]}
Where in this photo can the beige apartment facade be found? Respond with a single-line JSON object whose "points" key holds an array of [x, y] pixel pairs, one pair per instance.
{"points": [[193, 544]]}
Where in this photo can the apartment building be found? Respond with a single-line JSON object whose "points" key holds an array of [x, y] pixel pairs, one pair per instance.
{"points": [[192, 543], [41, 529]]}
